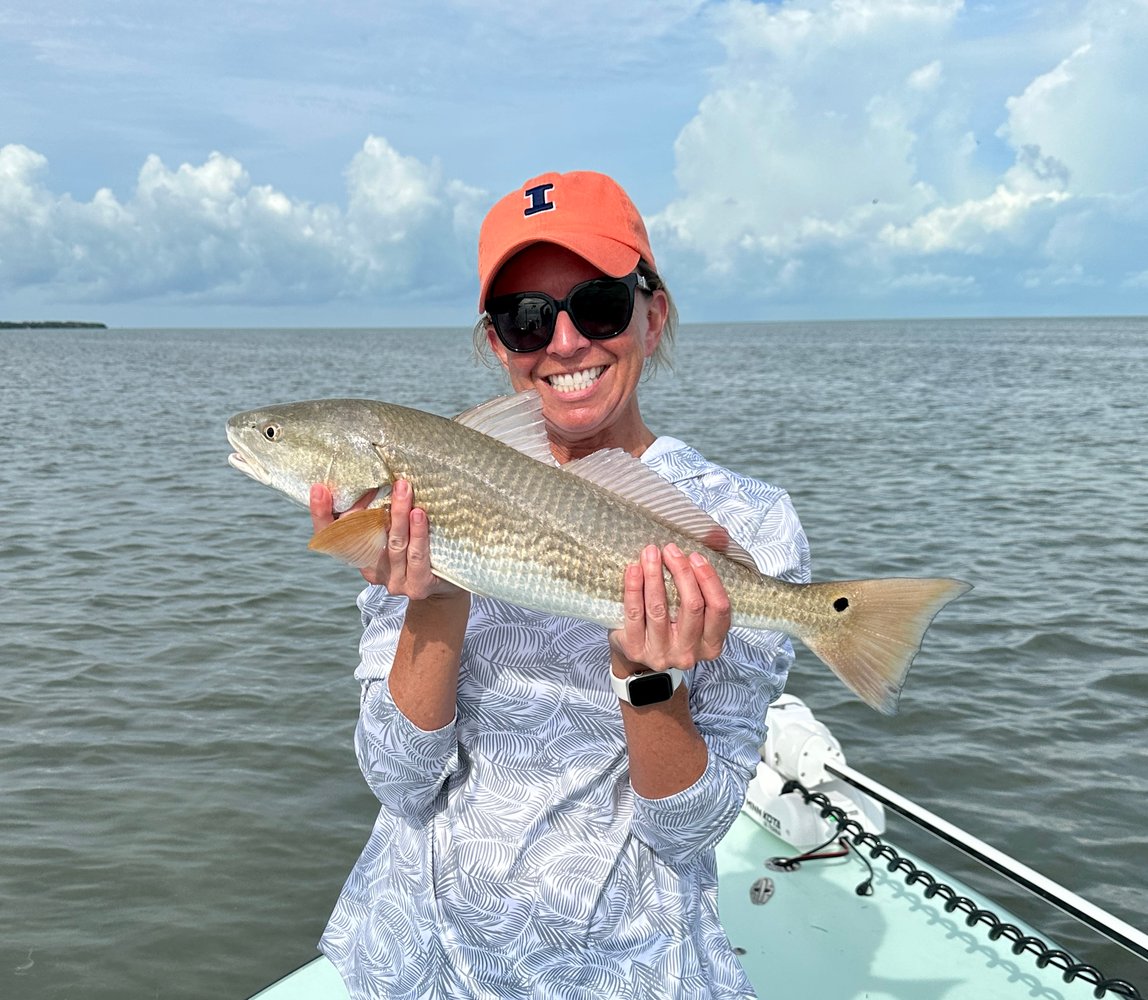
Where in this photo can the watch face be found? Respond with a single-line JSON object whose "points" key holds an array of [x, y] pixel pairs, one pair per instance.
{"points": [[649, 689]]}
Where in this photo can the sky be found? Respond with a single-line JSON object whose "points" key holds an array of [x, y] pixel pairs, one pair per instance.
{"points": [[304, 163]]}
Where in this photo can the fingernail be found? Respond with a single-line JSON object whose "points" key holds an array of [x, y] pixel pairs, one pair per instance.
{"points": [[673, 550], [697, 559]]}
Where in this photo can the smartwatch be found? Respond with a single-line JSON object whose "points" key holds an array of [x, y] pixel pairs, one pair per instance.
{"points": [[647, 688]]}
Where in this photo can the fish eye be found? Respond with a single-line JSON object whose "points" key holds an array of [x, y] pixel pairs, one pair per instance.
{"points": [[272, 431]]}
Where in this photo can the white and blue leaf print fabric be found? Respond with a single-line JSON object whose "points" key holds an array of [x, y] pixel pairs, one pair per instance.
{"points": [[511, 858]]}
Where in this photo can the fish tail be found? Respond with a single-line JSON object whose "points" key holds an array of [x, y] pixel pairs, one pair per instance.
{"points": [[868, 631]]}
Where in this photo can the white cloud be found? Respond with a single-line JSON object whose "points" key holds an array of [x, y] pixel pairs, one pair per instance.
{"points": [[779, 184], [812, 132], [207, 233], [933, 282], [1090, 112], [1017, 211], [849, 136], [927, 77]]}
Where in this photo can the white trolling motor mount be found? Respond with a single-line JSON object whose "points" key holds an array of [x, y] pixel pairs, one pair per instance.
{"points": [[798, 747]]}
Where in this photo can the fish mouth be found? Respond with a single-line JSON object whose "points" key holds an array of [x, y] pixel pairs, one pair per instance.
{"points": [[256, 472], [246, 463]]}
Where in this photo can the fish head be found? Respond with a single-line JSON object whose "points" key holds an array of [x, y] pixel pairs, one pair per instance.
{"points": [[291, 446]]}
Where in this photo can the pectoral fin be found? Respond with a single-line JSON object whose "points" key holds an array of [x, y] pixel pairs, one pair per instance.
{"points": [[358, 537]]}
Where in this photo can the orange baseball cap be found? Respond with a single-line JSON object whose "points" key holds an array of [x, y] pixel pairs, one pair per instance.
{"points": [[583, 211]]}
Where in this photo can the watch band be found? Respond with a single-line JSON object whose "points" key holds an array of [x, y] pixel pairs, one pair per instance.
{"points": [[647, 688]]}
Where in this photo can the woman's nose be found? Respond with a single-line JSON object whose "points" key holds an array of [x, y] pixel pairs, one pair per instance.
{"points": [[567, 339]]}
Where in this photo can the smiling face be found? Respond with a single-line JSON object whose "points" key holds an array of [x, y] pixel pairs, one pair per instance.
{"points": [[588, 387]]}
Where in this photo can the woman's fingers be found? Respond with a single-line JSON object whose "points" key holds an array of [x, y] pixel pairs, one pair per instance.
{"points": [[398, 537], [691, 607], [322, 505], [652, 634], [718, 613], [404, 565], [319, 503], [421, 582], [408, 552], [658, 624]]}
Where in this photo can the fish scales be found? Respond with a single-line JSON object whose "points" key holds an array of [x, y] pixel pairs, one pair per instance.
{"points": [[540, 536]]}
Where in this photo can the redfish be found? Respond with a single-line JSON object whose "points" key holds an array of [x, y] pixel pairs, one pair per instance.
{"points": [[507, 521]]}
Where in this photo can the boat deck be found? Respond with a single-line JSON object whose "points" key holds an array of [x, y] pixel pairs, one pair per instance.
{"points": [[819, 938], [816, 937]]}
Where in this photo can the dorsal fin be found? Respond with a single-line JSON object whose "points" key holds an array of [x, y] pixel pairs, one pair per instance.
{"points": [[620, 472], [515, 420]]}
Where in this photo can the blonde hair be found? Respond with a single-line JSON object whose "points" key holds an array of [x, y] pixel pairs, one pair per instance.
{"points": [[663, 353]]}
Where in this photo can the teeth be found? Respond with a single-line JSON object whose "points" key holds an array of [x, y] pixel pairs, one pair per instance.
{"points": [[574, 381]]}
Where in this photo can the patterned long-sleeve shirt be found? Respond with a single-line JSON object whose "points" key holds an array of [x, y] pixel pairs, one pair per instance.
{"points": [[511, 857]]}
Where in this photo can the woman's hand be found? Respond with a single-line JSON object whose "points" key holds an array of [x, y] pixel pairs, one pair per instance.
{"points": [[404, 565], [649, 639]]}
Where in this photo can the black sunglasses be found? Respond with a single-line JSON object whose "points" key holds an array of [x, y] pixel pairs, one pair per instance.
{"points": [[599, 308]]}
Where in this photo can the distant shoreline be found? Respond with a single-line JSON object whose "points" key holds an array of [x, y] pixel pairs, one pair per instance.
{"points": [[51, 324]]}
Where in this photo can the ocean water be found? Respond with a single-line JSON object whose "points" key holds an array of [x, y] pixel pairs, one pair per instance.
{"points": [[179, 799]]}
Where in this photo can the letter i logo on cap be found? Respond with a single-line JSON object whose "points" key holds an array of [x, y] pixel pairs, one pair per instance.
{"points": [[538, 202]]}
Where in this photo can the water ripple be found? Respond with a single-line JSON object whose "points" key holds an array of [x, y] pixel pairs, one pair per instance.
{"points": [[177, 709]]}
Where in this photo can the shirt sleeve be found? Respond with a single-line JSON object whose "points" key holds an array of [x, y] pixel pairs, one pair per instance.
{"points": [[729, 696], [404, 766]]}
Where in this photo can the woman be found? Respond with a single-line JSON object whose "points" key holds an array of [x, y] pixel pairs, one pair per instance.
{"points": [[551, 793]]}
